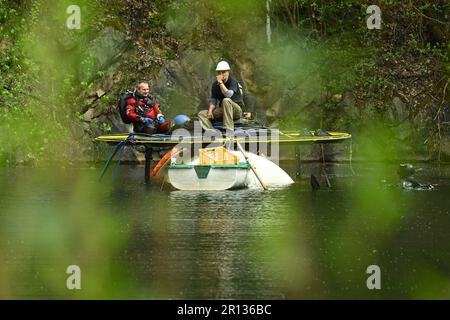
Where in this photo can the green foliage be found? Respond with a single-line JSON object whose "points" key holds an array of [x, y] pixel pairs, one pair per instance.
{"points": [[39, 85], [319, 18], [155, 20], [171, 55], [197, 21], [319, 49], [106, 127]]}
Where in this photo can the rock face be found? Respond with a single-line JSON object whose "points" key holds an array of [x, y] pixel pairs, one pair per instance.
{"points": [[399, 111], [182, 85], [297, 100], [445, 148], [102, 52]]}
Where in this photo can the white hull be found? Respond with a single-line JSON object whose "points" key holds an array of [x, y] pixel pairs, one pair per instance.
{"points": [[272, 175], [185, 177]]}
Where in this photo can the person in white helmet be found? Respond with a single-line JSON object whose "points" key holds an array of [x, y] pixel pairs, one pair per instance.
{"points": [[226, 100]]}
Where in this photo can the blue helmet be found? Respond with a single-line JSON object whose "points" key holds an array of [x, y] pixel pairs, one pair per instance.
{"points": [[181, 119]]}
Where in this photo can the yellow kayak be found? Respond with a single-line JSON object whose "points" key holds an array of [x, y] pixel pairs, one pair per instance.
{"points": [[246, 136]]}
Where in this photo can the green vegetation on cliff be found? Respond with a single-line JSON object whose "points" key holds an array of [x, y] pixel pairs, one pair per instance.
{"points": [[323, 68]]}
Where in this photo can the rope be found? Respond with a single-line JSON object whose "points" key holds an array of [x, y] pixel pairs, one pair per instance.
{"points": [[105, 167], [324, 171], [120, 146], [119, 158]]}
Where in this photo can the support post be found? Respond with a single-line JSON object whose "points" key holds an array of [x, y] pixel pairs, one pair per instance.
{"points": [[298, 157], [148, 162]]}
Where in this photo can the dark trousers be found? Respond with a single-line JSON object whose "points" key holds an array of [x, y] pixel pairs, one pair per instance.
{"points": [[151, 128], [143, 128]]}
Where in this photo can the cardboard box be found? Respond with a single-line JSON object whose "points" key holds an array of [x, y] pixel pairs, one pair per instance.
{"points": [[218, 155]]}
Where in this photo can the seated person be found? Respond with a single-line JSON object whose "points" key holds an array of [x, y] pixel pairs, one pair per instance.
{"points": [[143, 112], [226, 100]]}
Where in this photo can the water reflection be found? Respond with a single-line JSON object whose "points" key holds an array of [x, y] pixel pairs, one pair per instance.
{"points": [[223, 231], [142, 241]]}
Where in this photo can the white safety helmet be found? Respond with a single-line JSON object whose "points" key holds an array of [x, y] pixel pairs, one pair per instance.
{"points": [[223, 66]]}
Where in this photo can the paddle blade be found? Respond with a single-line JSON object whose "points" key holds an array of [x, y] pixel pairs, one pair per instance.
{"points": [[314, 183], [327, 181]]}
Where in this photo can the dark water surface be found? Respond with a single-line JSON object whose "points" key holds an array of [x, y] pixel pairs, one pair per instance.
{"points": [[132, 240]]}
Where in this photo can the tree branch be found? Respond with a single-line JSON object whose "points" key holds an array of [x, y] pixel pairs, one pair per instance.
{"points": [[430, 18]]}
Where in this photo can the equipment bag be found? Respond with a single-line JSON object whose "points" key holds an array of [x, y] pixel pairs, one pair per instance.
{"points": [[122, 105]]}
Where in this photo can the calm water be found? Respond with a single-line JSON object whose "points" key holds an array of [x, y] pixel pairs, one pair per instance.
{"points": [[138, 241]]}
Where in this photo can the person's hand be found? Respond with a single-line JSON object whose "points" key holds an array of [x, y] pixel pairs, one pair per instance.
{"points": [[247, 115], [147, 121], [210, 115], [161, 119], [219, 77]]}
